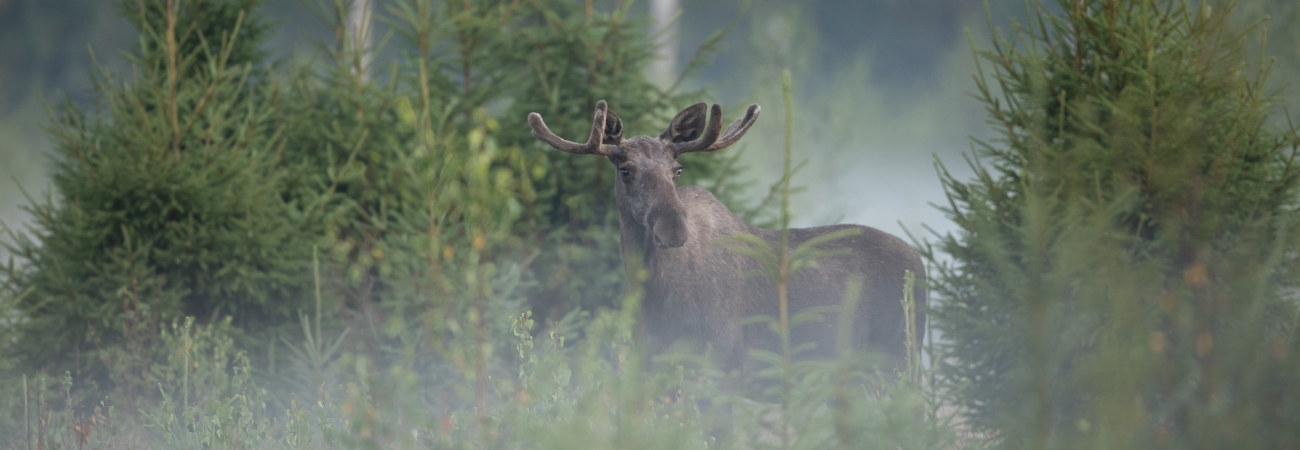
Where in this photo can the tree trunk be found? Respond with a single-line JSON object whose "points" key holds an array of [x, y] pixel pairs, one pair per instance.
{"points": [[664, 67]]}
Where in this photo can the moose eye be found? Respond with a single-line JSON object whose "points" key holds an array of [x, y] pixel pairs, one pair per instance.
{"points": [[624, 171]]}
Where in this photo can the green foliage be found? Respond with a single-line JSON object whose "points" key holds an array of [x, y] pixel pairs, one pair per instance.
{"points": [[169, 202], [1280, 39], [208, 396], [1124, 273], [204, 30]]}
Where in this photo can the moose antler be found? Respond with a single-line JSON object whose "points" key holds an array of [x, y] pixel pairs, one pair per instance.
{"points": [[737, 129], [711, 141], [595, 143], [705, 140]]}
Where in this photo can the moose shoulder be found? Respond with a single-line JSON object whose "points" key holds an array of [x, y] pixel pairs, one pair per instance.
{"points": [[699, 287]]}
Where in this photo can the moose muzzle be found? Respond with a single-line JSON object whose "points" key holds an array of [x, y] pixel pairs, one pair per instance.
{"points": [[668, 225]]}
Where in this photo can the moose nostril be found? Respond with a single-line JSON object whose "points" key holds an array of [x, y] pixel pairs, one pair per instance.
{"points": [[658, 234], [675, 243]]}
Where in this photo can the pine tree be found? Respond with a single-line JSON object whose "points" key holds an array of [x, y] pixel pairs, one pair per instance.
{"points": [[1124, 270], [169, 200]]}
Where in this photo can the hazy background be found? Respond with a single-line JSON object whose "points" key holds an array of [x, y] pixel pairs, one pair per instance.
{"points": [[880, 88]]}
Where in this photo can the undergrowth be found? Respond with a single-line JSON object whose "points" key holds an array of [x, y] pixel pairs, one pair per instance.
{"points": [[555, 391]]}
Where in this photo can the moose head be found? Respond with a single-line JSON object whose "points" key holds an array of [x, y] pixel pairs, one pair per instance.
{"points": [[647, 166]]}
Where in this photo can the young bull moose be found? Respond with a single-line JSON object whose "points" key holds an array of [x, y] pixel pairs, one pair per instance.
{"points": [[699, 288]]}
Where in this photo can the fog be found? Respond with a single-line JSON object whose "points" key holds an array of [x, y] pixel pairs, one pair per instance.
{"points": [[881, 91]]}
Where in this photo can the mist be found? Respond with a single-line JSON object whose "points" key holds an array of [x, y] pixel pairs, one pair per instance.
{"points": [[881, 94]]}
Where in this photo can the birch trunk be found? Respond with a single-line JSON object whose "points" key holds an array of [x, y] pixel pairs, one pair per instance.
{"points": [[664, 67]]}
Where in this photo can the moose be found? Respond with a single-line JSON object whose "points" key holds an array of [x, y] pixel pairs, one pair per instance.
{"points": [[700, 288]]}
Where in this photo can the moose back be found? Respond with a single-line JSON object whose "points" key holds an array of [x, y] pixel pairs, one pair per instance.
{"points": [[699, 287]]}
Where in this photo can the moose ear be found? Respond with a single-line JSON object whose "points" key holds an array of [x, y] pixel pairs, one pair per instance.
{"points": [[688, 124], [613, 129]]}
